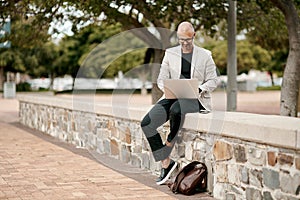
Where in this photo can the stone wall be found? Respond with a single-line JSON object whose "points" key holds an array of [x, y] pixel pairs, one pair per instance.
{"points": [[248, 156]]}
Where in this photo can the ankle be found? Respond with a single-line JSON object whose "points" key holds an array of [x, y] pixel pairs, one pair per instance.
{"points": [[165, 163]]}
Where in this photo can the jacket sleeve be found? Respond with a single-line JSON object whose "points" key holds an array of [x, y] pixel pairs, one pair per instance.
{"points": [[210, 75]]}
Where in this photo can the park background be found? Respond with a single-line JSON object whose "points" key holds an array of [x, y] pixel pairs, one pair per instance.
{"points": [[93, 43], [48, 45]]}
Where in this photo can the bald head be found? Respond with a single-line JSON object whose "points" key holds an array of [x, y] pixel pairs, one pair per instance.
{"points": [[185, 34], [185, 28]]}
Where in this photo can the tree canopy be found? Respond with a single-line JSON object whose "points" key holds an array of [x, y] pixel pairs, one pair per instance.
{"points": [[249, 56]]}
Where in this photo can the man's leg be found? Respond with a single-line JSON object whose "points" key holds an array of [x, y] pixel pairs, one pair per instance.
{"points": [[157, 116], [177, 113]]}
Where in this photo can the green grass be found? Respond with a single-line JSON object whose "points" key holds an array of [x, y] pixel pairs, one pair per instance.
{"points": [[276, 87]]}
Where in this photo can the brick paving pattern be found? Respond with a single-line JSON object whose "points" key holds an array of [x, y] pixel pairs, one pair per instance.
{"points": [[31, 168]]}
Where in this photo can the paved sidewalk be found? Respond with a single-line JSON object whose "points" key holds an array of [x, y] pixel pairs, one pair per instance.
{"points": [[37, 166]]}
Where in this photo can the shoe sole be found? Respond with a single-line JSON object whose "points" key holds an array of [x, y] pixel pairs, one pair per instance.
{"points": [[168, 175]]}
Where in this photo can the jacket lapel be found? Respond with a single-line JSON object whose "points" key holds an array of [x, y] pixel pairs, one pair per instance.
{"points": [[177, 62]]}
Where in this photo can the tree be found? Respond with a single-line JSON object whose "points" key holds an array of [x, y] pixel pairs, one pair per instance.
{"points": [[249, 56], [73, 50], [263, 23], [27, 52], [291, 77], [30, 21], [277, 39]]}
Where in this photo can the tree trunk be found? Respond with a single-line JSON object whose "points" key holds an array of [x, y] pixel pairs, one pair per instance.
{"points": [[271, 77], [1, 78], [299, 101], [291, 77]]}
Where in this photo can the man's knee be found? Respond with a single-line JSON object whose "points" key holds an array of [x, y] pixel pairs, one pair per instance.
{"points": [[146, 121], [175, 111]]}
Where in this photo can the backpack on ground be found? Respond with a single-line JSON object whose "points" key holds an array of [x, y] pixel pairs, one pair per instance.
{"points": [[191, 179]]}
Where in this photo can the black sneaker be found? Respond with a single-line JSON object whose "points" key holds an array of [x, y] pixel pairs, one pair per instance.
{"points": [[166, 173]]}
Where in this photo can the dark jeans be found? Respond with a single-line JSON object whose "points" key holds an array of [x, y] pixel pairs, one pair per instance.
{"points": [[164, 110]]}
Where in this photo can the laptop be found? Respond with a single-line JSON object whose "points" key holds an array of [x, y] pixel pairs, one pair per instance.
{"points": [[181, 88]]}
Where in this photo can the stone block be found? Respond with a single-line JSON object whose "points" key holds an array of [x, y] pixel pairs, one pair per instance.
{"points": [[210, 139], [284, 159], [271, 178], [210, 176], [236, 190], [189, 151], [222, 151], [110, 123], [125, 154], [173, 153], [136, 149], [255, 178], [256, 157], [136, 135], [103, 133], [272, 159], [244, 174], [114, 148], [114, 132], [221, 173], [233, 176], [253, 194], [199, 145], [135, 161], [239, 153], [267, 195], [282, 196], [145, 145], [197, 155], [188, 136], [145, 161], [154, 166], [219, 191], [100, 146], [230, 196], [290, 184], [106, 145], [92, 141], [125, 136], [90, 125], [297, 163], [286, 182], [181, 150]]}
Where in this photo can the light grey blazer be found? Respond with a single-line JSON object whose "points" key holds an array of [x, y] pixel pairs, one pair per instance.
{"points": [[203, 68]]}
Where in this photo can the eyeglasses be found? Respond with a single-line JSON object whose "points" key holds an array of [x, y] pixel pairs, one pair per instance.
{"points": [[188, 40]]}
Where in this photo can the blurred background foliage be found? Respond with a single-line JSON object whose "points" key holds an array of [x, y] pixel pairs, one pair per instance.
{"points": [[263, 44]]}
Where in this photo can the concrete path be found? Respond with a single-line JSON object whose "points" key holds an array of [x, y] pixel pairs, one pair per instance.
{"points": [[36, 166]]}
